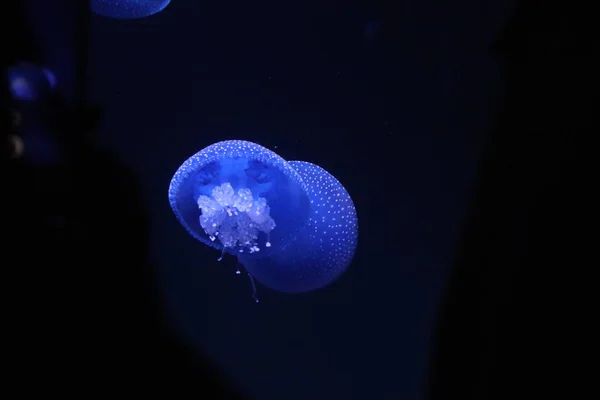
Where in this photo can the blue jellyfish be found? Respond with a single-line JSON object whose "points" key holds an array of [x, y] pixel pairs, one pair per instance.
{"points": [[28, 82], [128, 9], [292, 225]]}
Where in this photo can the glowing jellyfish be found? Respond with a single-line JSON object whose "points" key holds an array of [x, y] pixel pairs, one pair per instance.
{"points": [[28, 82], [292, 225], [128, 9]]}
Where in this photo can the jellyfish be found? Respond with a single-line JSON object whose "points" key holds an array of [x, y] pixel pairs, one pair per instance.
{"points": [[291, 225], [128, 9], [29, 82]]}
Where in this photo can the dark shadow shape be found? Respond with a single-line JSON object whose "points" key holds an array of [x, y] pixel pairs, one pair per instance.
{"points": [[508, 296], [83, 315], [84, 306]]}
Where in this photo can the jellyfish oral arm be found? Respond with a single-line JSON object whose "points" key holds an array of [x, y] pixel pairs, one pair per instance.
{"points": [[235, 219]]}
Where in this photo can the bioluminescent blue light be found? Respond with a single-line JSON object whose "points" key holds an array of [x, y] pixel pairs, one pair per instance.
{"points": [[28, 82], [128, 9], [292, 225]]}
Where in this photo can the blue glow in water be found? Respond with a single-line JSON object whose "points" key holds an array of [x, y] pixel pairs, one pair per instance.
{"points": [[28, 82], [128, 9], [292, 225]]}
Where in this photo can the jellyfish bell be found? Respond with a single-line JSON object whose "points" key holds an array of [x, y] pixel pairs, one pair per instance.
{"points": [[249, 182], [128, 9], [292, 225], [326, 245], [29, 82]]}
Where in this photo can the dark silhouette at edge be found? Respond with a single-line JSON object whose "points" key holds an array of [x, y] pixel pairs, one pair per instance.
{"points": [[509, 295], [83, 314]]}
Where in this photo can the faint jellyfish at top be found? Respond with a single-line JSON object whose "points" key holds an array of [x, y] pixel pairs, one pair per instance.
{"points": [[128, 9]]}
